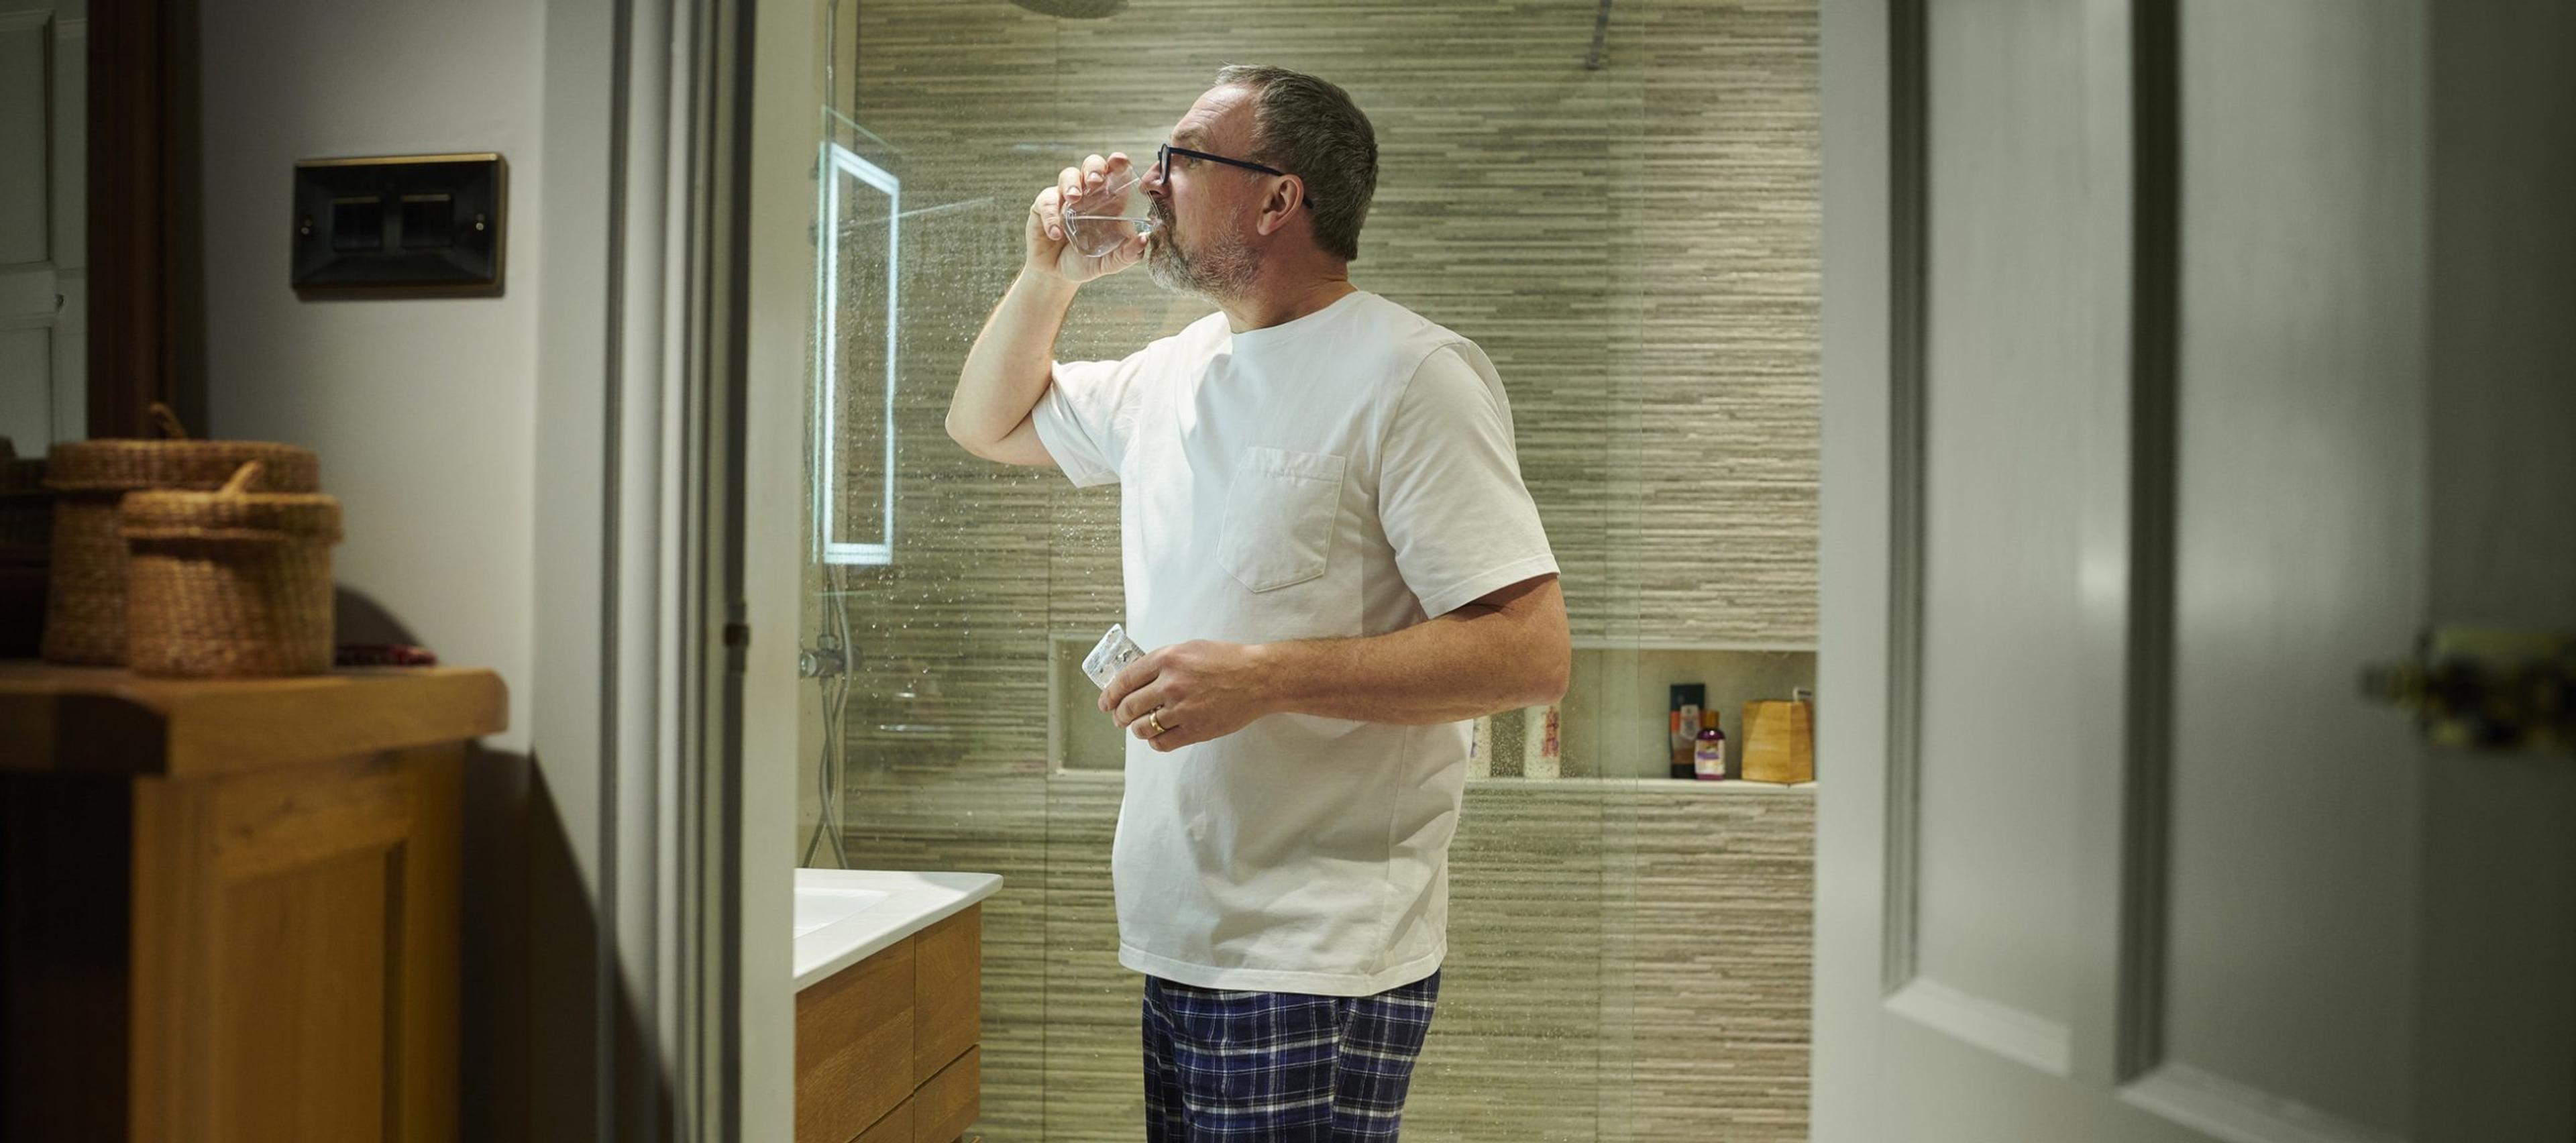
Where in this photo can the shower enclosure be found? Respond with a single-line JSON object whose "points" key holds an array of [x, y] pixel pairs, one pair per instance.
{"points": [[1618, 204]]}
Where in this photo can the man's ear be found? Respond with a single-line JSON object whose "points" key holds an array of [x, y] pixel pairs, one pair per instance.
{"points": [[1281, 204]]}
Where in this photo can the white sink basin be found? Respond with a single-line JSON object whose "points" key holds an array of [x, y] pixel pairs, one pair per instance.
{"points": [[844, 916], [818, 907]]}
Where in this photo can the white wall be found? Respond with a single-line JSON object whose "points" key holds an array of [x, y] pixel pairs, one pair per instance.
{"points": [[426, 416], [423, 411]]}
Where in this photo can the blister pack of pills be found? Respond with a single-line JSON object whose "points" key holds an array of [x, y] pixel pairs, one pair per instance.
{"points": [[1113, 655]]}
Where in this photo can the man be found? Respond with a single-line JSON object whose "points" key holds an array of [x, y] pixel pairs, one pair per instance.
{"points": [[1326, 534]]}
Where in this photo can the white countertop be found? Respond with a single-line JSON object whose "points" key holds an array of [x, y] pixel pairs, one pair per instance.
{"points": [[844, 916]]}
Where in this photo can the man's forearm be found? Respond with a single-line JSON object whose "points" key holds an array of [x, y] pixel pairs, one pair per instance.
{"points": [[1473, 661], [1007, 370]]}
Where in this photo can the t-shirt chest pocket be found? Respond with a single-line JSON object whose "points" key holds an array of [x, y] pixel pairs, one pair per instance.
{"points": [[1280, 516]]}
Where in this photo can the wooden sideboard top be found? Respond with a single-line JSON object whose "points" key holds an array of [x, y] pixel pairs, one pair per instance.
{"points": [[106, 720]]}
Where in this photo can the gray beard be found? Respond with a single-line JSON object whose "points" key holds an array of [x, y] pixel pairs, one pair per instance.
{"points": [[1226, 270]]}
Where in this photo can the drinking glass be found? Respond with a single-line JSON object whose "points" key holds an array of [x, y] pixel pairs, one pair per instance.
{"points": [[1103, 220]]}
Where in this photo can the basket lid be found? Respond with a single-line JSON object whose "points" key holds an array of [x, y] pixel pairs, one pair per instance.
{"points": [[232, 512], [127, 465]]}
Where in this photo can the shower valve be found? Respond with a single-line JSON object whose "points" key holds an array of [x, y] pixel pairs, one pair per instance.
{"points": [[822, 661]]}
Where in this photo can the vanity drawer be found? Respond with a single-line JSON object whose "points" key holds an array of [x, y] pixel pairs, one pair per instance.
{"points": [[938, 1113], [896, 1127], [947, 1105], [854, 1047], [885, 1049], [948, 990]]}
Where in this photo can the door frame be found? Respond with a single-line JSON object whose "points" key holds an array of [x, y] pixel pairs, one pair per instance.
{"points": [[144, 296], [641, 642], [1862, 324]]}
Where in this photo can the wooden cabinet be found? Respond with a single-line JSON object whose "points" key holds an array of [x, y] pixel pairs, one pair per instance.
{"points": [[228, 909], [886, 1048]]}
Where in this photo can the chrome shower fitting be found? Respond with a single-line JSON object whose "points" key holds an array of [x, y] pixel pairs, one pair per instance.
{"points": [[824, 660]]}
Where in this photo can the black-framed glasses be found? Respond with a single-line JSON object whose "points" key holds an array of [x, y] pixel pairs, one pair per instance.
{"points": [[1163, 161]]}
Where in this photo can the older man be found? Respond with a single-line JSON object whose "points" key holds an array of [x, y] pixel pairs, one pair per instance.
{"points": [[1326, 535]]}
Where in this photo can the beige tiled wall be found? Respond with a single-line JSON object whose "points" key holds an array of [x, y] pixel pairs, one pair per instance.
{"points": [[1636, 248], [1628, 962]]}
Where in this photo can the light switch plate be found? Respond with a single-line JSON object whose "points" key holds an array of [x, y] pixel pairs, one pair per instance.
{"points": [[399, 226]]}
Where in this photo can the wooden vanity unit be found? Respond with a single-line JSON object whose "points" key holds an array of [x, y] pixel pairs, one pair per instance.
{"points": [[886, 1048], [228, 908]]}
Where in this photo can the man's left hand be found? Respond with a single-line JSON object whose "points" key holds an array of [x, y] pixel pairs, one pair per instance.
{"points": [[1198, 691]]}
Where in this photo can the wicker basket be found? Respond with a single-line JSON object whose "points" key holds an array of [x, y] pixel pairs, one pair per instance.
{"points": [[85, 611], [229, 583]]}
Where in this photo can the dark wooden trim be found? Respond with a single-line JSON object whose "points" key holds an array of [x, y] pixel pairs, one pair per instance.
{"points": [[65, 861], [142, 169]]}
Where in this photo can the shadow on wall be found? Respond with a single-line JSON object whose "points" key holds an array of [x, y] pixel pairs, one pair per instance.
{"points": [[501, 883], [355, 618], [528, 1068], [538, 954]]}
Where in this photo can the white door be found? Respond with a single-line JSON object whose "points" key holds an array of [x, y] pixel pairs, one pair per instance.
{"points": [[2184, 358], [44, 69]]}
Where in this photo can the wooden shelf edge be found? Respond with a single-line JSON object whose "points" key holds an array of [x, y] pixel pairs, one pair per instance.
{"points": [[111, 721]]}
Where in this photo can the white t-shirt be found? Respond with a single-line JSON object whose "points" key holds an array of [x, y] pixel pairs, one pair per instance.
{"points": [[1349, 473]]}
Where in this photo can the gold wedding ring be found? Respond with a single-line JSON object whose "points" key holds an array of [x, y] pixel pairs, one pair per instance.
{"points": [[1155, 716]]}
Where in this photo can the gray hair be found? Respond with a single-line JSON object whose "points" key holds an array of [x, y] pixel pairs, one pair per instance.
{"points": [[1311, 129]]}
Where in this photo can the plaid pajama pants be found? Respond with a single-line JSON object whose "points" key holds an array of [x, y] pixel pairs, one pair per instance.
{"points": [[1279, 1067]]}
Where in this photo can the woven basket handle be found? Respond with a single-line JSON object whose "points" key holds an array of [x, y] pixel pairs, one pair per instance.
{"points": [[169, 422], [243, 478]]}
